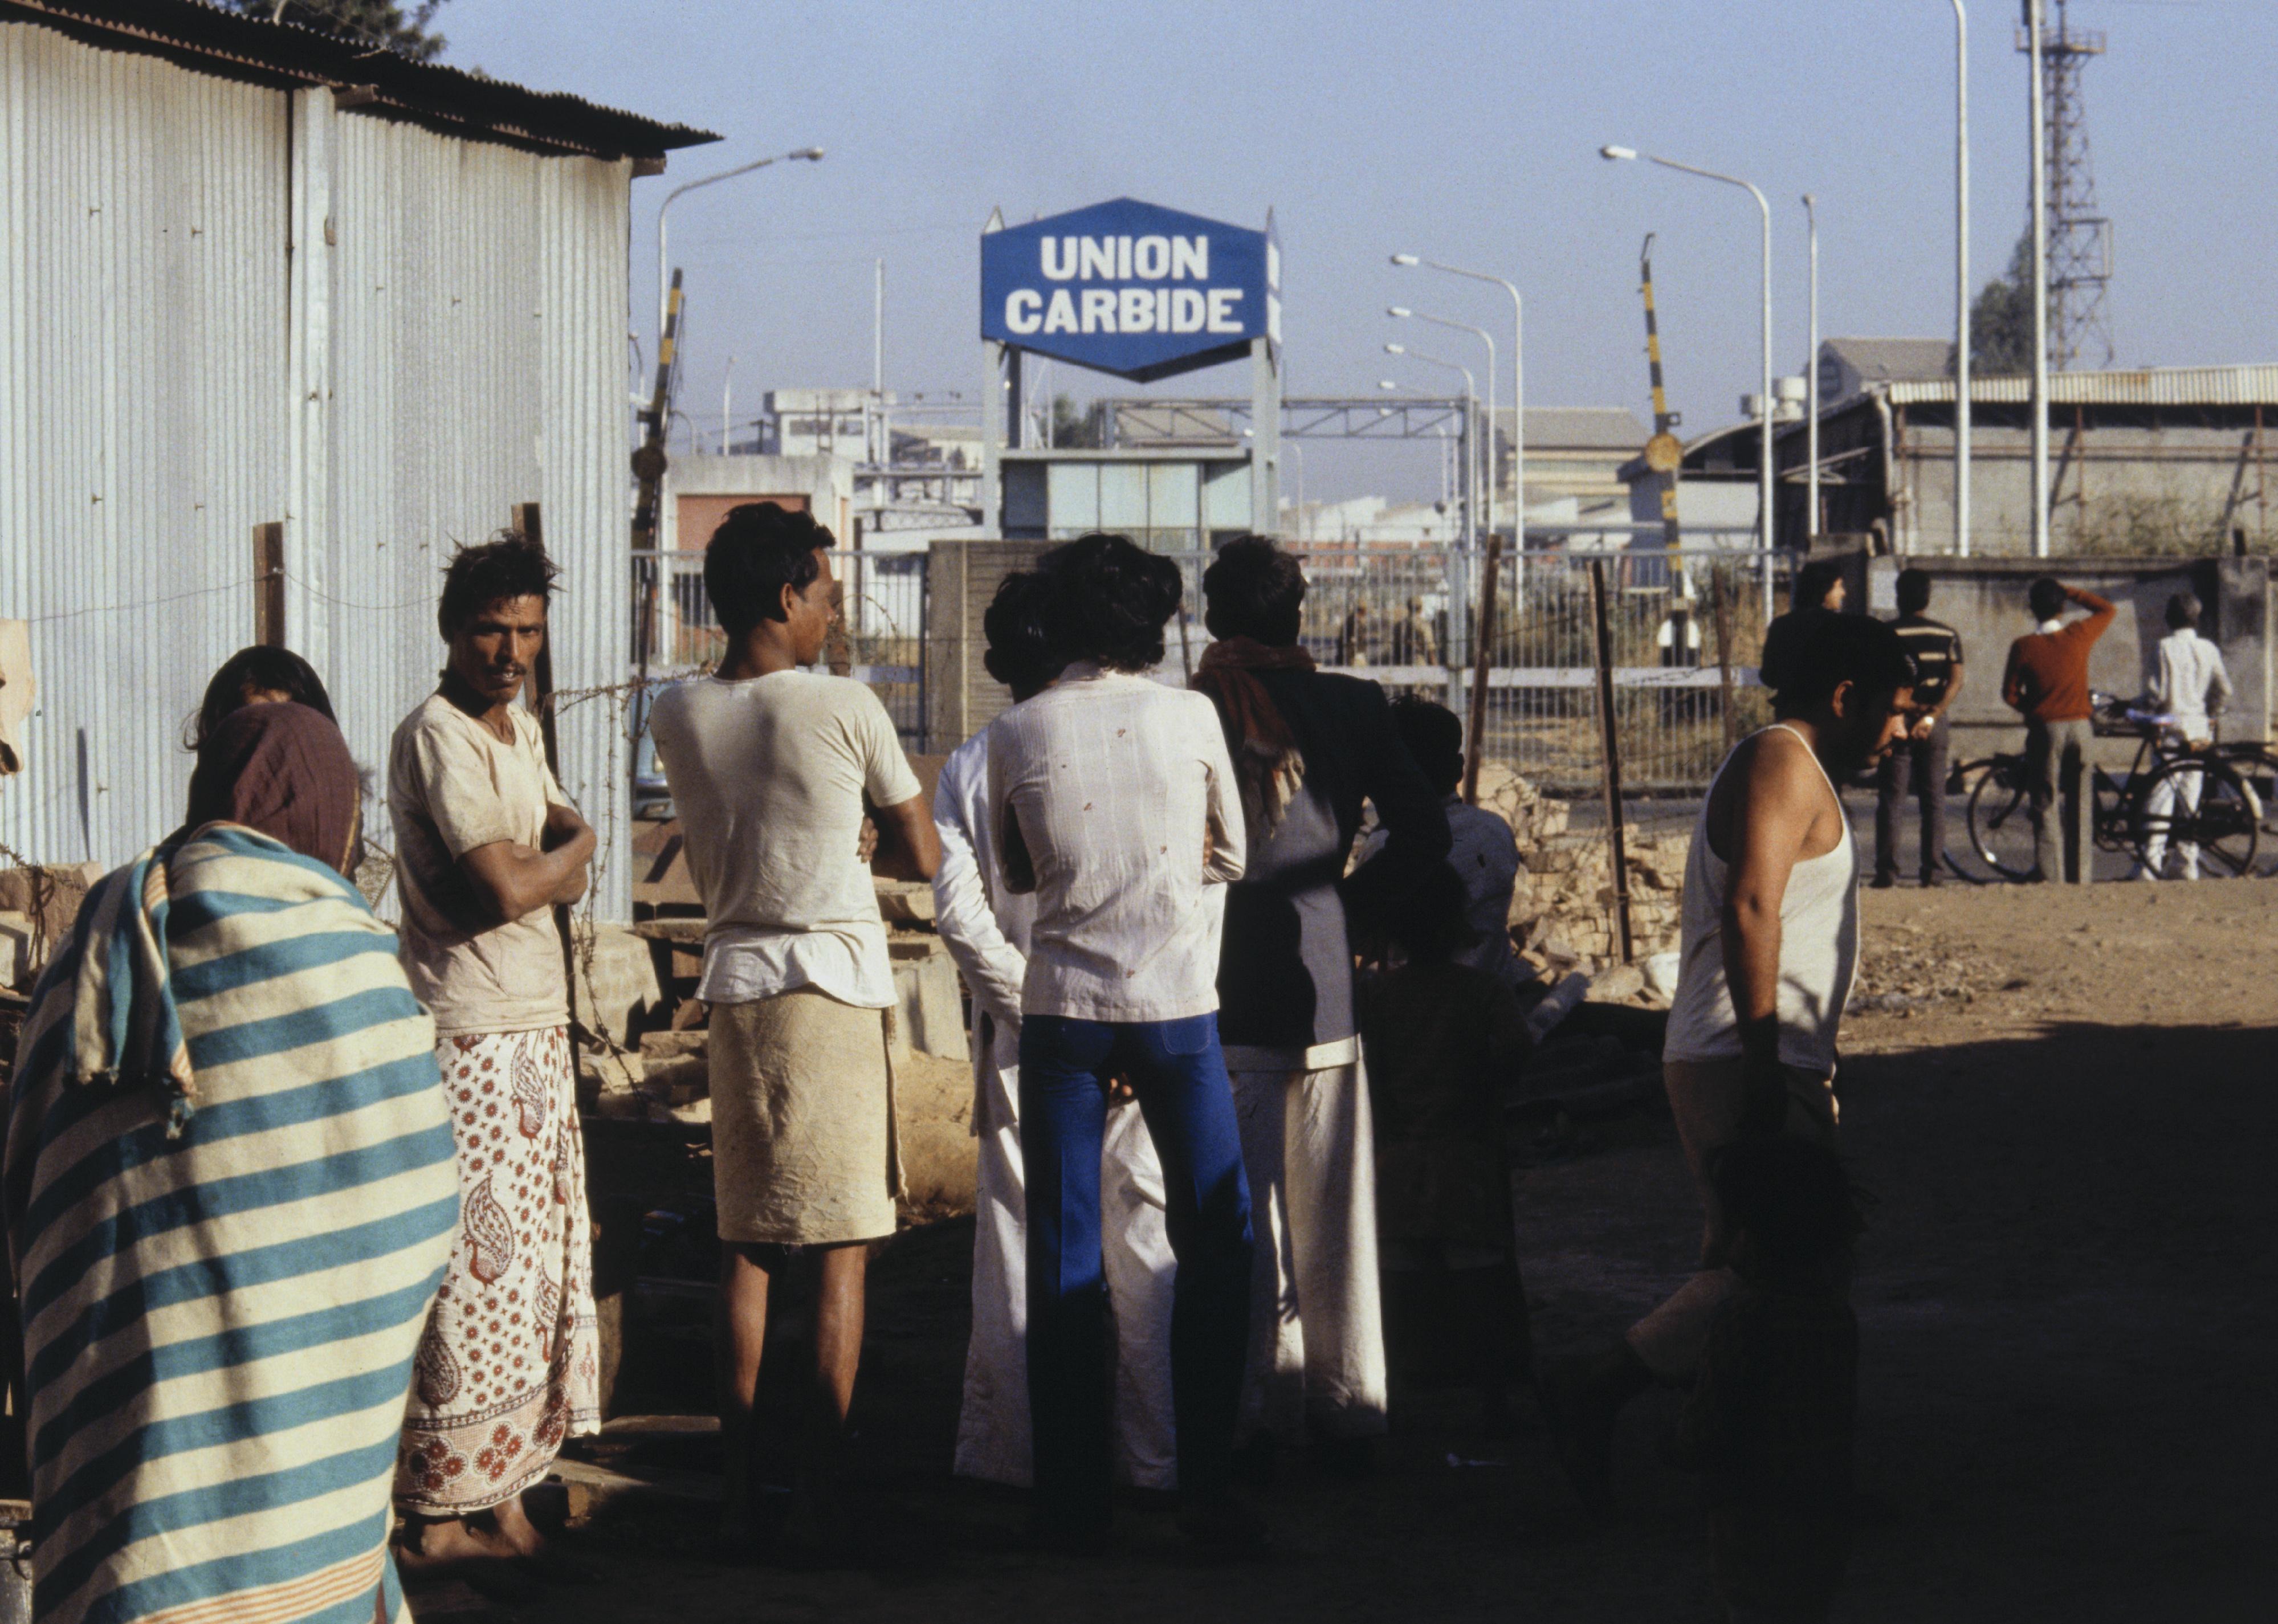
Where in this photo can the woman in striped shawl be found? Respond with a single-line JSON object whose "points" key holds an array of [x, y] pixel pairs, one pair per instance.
{"points": [[229, 1188]]}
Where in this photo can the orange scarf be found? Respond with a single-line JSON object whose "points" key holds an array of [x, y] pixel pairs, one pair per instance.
{"points": [[1268, 767]]}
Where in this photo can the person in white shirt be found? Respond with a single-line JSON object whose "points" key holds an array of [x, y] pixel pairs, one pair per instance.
{"points": [[772, 766], [986, 928], [1113, 799], [2193, 687]]}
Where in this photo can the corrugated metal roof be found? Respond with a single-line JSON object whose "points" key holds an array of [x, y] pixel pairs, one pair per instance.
{"points": [[1885, 360], [229, 42], [1579, 427], [2241, 386]]}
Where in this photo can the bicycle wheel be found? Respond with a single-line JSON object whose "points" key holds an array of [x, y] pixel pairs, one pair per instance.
{"points": [[1961, 780], [2224, 825], [2000, 819]]}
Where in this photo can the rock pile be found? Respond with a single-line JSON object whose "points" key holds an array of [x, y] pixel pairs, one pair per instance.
{"points": [[1562, 912]]}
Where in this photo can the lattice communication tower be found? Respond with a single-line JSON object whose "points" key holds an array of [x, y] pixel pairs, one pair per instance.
{"points": [[2080, 237]]}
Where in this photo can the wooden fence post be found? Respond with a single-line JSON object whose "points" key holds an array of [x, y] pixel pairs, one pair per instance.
{"points": [[268, 585], [530, 521], [1611, 735]]}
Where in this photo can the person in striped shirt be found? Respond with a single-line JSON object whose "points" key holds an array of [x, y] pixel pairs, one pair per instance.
{"points": [[1918, 761]]}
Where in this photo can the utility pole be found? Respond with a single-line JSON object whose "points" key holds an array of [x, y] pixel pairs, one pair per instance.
{"points": [[1963, 404], [1811, 524], [2040, 233]]}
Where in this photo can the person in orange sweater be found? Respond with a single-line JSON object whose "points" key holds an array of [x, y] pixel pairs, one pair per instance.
{"points": [[2047, 682]]}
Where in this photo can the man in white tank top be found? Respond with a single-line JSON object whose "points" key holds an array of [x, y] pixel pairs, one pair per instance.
{"points": [[1770, 940]]}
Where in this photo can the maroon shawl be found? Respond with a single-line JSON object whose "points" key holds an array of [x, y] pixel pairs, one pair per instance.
{"points": [[285, 770]]}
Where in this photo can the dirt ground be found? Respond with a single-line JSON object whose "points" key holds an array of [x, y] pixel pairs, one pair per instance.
{"points": [[2066, 1307]]}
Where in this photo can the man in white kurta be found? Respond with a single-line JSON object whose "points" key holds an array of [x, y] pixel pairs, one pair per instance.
{"points": [[986, 928]]}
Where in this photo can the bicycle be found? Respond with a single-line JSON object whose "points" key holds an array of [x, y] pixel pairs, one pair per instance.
{"points": [[2171, 797]]}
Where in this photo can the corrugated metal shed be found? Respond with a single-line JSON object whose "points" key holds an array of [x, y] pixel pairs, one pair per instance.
{"points": [[2239, 385], [223, 302]]}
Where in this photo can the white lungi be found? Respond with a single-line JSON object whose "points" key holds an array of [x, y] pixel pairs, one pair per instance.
{"points": [[1316, 1318]]}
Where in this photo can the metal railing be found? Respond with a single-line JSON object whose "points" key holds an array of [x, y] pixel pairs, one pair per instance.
{"points": [[1405, 617]]}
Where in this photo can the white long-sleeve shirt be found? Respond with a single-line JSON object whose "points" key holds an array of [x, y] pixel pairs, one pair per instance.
{"points": [[2191, 682], [1113, 798], [983, 923]]}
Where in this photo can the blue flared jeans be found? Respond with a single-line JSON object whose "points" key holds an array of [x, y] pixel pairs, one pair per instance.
{"points": [[1179, 1074]]}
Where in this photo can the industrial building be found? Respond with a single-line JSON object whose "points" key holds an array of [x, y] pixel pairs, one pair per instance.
{"points": [[257, 275], [2162, 461]]}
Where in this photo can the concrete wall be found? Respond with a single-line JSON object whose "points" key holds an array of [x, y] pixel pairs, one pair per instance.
{"points": [[1983, 600]]}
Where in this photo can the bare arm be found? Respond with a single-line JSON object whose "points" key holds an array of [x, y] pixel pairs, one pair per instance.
{"points": [[1953, 691], [510, 880], [908, 848], [1774, 806]]}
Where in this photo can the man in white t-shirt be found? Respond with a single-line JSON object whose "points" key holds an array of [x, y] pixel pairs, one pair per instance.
{"points": [[772, 767]]}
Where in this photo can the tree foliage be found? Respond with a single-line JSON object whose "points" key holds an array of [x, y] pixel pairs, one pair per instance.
{"points": [[402, 29], [2001, 317]]}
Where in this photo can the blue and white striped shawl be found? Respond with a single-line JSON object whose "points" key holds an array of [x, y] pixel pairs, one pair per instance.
{"points": [[221, 1304]]}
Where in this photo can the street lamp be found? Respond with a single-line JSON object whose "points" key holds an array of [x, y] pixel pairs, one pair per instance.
{"points": [[1764, 400], [809, 154], [1811, 381], [1962, 409], [1401, 312], [1518, 388], [2040, 217], [1471, 411]]}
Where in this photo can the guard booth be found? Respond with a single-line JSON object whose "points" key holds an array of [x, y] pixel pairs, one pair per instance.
{"points": [[1139, 293]]}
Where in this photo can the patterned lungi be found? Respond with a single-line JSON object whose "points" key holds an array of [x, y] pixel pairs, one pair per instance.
{"points": [[511, 1365]]}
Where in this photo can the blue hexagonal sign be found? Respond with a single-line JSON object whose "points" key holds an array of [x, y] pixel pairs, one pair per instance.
{"points": [[1130, 288]]}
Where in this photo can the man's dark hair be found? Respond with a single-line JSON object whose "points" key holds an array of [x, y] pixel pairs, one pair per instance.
{"points": [[1914, 591], [1020, 645], [1793, 1202], [1818, 651], [2045, 599], [1253, 589], [1813, 581], [1434, 736], [760, 549], [274, 670], [509, 565], [1109, 600], [2182, 610]]}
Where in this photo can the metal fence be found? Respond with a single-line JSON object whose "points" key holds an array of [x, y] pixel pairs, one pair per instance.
{"points": [[1406, 617]]}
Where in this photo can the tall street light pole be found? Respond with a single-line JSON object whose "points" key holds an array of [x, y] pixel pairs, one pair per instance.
{"points": [[807, 154], [1470, 420], [1517, 392], [1962, 411], [1764, 399], [1401, 312], [2040, 291], [1811, 524]]}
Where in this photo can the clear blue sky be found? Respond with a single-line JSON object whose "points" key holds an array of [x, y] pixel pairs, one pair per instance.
{"points": [[1465, 132]]}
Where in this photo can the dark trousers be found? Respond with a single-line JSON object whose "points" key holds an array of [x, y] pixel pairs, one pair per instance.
{"points": [[1919, 765], [1179, 1076]]}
